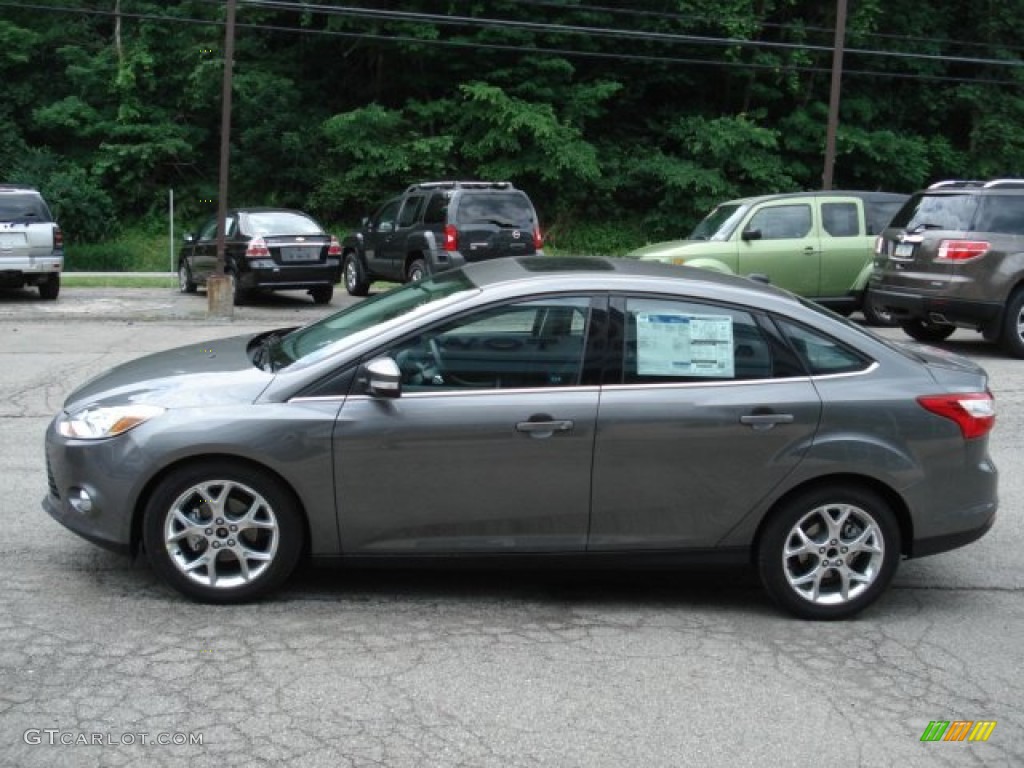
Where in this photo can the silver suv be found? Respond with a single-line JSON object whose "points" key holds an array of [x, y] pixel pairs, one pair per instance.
{"points": [[31, 242], [953, 257]]}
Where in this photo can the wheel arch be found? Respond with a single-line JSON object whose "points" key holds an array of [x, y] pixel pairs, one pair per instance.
{"points": [[139, 509], [889, 495]]}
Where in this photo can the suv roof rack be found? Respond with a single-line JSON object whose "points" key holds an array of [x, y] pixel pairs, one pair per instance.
{"points": [[461, 185], [957, 183], [1012, 183]]}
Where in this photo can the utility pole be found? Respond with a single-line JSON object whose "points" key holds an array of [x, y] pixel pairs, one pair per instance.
{"points": [[833, 100], [219, 288]]}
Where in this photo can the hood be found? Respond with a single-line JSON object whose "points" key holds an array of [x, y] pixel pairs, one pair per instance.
{"points": [[668, 249], [206, 373]]}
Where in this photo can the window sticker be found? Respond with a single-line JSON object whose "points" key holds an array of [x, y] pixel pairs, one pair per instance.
{"points": [[684, 345]]}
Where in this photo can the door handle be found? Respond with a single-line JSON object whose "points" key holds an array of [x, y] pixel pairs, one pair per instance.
{"points": [[763, 421], [545, 428]]}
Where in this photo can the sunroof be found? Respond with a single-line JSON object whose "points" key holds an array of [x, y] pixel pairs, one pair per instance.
{"points": [[565, 264]]}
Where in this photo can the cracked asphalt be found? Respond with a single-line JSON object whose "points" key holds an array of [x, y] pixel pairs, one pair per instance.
{"points": [[98, 660]]}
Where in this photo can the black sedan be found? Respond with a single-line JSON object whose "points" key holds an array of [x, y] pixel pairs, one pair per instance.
{"points": [[265, 249]]}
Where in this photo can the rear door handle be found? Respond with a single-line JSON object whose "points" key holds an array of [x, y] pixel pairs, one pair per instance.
{"points": [[761, 421]]}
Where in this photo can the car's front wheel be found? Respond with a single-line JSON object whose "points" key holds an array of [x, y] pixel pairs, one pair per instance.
{"points": [[355, 281], [185, 282], [830, 552], [222, 532], [925, 331]]}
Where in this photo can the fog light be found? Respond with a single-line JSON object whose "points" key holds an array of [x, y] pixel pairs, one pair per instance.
{"points": [[80, 500]]}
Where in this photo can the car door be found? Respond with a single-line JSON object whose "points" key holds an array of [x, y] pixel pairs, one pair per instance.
{"points": [[845, 247], [781, 240], [379, 233], [704, 416], [395, 248], [487, 450], [203, 259]]}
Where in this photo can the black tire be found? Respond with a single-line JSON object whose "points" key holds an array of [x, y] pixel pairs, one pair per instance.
{"points": [[250, 513], [322, 294], [355, 279], [929, 333], [242, 296], [875, 315], [185, 282], [50, 289], [417, 271], [1012, 337], [830, 534]]}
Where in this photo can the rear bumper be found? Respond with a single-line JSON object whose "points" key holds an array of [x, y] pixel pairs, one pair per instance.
{"points": [[277, 277], [914, 306]]}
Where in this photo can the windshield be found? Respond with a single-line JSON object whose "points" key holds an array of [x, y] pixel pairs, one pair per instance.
{"points": [[720, 223], [313, 342]]}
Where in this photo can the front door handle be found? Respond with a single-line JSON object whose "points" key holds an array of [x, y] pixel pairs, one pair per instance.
{"points": [[762, 421], [544, 426]]}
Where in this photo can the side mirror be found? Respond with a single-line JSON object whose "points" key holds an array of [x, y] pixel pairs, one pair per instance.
{"points": [[189, 237], [385, 379], [386, 227], [751, 234]]}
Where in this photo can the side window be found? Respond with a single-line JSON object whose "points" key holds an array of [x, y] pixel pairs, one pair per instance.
{"points": [[668, 340], [822, 355], [410, 211], [513, 346], [1003, 214], [840, 219], [209, 230], [437, 209], [782, 222], [384, 221]]}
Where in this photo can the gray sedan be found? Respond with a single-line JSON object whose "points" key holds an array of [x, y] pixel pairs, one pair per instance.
{"points": [[532, 411]]}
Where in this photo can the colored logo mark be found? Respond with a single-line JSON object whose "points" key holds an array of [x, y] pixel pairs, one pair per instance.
{"points": [[958, 730]]}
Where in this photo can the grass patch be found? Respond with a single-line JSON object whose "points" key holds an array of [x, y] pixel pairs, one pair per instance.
{"points": [[128, 280]]}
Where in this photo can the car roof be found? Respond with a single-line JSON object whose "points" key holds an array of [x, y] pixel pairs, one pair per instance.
{"points": [[862, 194], [621, 273]]}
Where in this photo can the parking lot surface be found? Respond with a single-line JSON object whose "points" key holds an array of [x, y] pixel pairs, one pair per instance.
{"points": [[100, 664]]}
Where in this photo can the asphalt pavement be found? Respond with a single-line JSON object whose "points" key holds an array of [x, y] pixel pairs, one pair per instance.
{"points": [[99, 662]]}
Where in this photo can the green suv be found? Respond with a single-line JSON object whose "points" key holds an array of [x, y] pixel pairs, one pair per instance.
{"points": [[816, 244], [954, 257]]}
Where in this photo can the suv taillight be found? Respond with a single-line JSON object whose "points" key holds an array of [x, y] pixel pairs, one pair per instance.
{"points": [[451, 238], [334, 249], [961, 250], [58, 237], [975, 412], [257, 249], [538, 240]]}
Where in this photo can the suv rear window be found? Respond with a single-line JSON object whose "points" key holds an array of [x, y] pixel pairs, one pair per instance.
{"points": [[497, 208], [20, 207], [943, 211]]}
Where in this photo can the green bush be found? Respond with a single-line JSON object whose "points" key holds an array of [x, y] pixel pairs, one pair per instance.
{"points": [[138, 248], [593, 238]]}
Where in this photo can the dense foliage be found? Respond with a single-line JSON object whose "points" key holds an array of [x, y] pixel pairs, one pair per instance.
{"points": [[623, 125]]}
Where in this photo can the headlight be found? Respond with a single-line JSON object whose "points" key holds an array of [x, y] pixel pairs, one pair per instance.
{"points": [[96, 421]]}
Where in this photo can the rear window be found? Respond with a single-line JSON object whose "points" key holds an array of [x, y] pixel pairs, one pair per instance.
{"points": [[23, 207], [510, 208], [267, 223], [937, 211]]}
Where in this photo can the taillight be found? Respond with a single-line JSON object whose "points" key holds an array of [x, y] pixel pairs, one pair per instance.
{"points": [[538, 240], [961, 250], [451, 238], [975, 413], [257, 249], [334, 249], [58, 237]]}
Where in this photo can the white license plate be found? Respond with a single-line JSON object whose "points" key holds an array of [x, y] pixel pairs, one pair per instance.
{"points": [[903, 251], [301, 253], [11, 239]]}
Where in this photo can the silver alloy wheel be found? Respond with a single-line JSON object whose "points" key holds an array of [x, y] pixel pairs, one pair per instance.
{"points": [[184, 284], [351, 274], [221, 534], [833, 554]]}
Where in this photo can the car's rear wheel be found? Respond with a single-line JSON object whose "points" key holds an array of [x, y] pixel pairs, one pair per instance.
{"points": [[928, 332], [185, 282], [417, 271], [50, 288], [355, 281], [874, 314], [1012, 337], [322, 294], [830, 552], [222, 532]]}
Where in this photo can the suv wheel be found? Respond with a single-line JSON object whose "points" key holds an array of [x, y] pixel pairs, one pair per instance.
{"points": [[875, 315], [1012, 337], [923, 330], [417, 271], [185, 282], [355, 281], [50, 288]]}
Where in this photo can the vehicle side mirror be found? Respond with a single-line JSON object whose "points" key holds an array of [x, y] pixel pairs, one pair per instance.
{"points": [[385, 378], [751, 234], [386, 226], [189, 237]]}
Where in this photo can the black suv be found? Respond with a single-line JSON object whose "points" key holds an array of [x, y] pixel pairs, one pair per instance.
{"points": [[954, 257], [31, 242], [439, 225]]}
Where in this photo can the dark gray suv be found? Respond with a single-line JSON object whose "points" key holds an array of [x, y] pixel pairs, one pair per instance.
{"points": [[436, 226], [954, 257]]}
